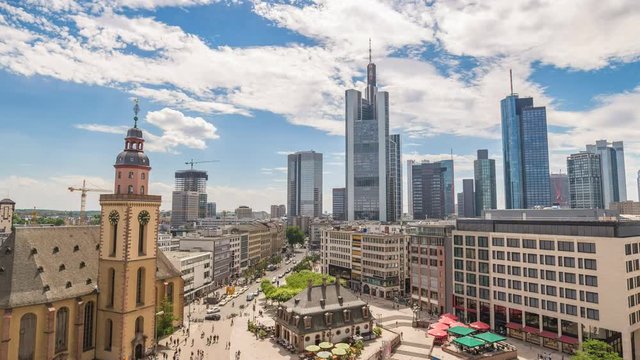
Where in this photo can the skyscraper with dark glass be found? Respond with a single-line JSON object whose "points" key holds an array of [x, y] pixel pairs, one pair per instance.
{"points": [[428, 190], [525, 153], [585, 180], [373, 167], [304, 184], [484, 174]]}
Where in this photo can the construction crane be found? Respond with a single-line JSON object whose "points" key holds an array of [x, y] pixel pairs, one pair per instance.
{"points": [[83, 197], [199, 162]]}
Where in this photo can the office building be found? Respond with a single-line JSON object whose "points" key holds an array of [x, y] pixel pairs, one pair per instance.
{"points": [[184, 208], [194, 180], [560, 190], [585, 182], [244, 212], [626, 207], [196, 271], [211, 210], [638, 181], [410, 164], [428, 190], [278, 211], [525, 153], [372, 182], [315, 233], [339, 204], [613, 175], [355, 254], [304, 184], [460, 204], [166, 242], [448, 179], [484, 174], [430, 269], [553, 278], [394, 194], [469, 199], [219, 246]]}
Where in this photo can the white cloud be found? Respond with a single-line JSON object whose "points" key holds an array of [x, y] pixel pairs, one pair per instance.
{"points": [[285, 152], [109, 129], [179, 129]]}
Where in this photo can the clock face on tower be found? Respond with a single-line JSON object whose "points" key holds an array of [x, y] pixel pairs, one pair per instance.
{"points": [[144, 217], [114, 217]]}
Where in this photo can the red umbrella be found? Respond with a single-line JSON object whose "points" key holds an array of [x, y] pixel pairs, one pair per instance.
{"points": [[437, 333], [449, 315], [446, 320], [456, 323], [479, 325], [439, 326]]}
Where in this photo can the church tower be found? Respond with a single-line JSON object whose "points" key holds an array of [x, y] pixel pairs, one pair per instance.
{"points": [[127, 264]]}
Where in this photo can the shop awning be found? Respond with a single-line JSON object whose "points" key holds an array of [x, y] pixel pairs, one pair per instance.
{"points": [[461, 331], [568, 340], [549, 334], [469, 341], [514, 326], [532, 330], [489, 337]]}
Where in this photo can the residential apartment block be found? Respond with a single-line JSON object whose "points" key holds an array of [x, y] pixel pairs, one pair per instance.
{"points": [[554, 279]]}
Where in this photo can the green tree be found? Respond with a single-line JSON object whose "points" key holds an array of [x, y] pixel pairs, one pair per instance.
{"points": [[295, 235], [296, 283], [165, 321], [593, 349]]}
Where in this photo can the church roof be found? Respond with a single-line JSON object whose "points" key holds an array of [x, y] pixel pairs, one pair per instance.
{"points": [[7, 201], [41, 265]]}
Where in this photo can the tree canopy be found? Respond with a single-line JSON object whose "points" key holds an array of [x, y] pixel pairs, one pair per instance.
{"points": [[296, 282], [295, 235], [593, 349]]}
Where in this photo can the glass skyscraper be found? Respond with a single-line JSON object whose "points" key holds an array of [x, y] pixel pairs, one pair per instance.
{"points": [[585, 181], [484, 174], [428, 190], [373, 169], [525, 153], [304, 184], [614, 185], [449, 187]]}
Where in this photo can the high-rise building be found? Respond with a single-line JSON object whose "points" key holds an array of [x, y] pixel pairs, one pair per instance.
{"points": [[184, 207], [585, 181], [282, 210], [274, 211], [394, 195], [525, 153], [428, 190], [339, 206], [469, 199], [448, 178], [638, 180], [484, 174], [211, 209], [367, 152], [560, 190], [304, 184], [194, 180], [410, 187], [614, 186], [460, 204], [244, 212]]}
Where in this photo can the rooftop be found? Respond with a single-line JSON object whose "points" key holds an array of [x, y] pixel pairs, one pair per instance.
{"points": [[179, 255], [322, 298]]}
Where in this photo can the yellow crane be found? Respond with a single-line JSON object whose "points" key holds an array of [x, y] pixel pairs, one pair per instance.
{"points": [[83, 198]]}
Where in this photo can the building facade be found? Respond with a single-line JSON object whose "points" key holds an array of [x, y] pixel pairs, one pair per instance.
{"points": [[428, 190], [550, 277], [339, 204], [410, 164], [166, 242], [211, 210], [394, 194], [367, 152], [626, 207], [7, 207], [560, 195], [525, 153], [585, 181], [195, 267], [469, 199], [304, 184], [244, 212], [278, 211], [194, 180], [612, 170], [184, 208], [484, 174], [430, 268]]}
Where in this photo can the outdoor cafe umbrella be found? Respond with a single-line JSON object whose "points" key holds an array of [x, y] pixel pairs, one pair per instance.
{"points": [[439, 326], [325, 345], [450, 316], [479, 325], [457, 323], [312, 348], [342, 346], [437, 333], [339, 351], [445, 320], [324, 354]]}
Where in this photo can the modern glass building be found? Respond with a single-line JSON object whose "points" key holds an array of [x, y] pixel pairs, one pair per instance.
{"points": [[428, 190], [525, 153], [339, 207], [194, 180], [367, 151], [449, 187], [484, 174], [560, 190], [614, 186], [394, 195], [304, 184], [585, 181]]}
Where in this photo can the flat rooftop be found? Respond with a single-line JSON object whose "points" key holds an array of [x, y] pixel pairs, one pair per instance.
{"points": [[179, 255]]}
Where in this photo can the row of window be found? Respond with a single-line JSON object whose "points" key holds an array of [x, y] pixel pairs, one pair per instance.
{"points": [[633, 282], [568, 309], [584, 247]]}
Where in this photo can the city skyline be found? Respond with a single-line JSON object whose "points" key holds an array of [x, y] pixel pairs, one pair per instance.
{"points": [[440, 98]]}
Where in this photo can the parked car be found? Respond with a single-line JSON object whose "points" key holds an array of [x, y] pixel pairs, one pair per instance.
{"points": [[249, 297], [259, 290], [213, 310], [214, 317], [222, 303], [255, 294], [273, 281]]}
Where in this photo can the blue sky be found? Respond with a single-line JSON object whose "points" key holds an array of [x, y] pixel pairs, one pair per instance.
{"points": [[246, 82]]}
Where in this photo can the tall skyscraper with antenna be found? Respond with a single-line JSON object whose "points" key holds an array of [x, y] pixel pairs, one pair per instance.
{"points": [[525, 152]]}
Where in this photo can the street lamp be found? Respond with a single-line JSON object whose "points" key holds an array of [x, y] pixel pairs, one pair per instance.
{"points": [[155, 345]]}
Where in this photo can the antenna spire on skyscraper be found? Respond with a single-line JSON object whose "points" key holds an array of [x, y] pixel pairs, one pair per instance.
{"points": [[369, 50], [511, 80]]}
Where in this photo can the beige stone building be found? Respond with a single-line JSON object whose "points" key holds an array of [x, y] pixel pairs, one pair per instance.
{"points": [[551, 277], [626, 207], [90, 292]]}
